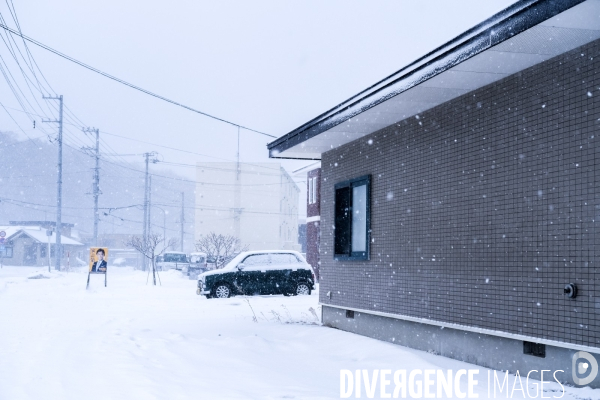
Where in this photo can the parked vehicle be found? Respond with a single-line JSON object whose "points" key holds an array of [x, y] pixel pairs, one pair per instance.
{"points": [[259, 272], [214, 262], [198, 264], [173, 260]]}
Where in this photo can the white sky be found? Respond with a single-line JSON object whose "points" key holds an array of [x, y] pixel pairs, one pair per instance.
{"points": [[268, 65]]}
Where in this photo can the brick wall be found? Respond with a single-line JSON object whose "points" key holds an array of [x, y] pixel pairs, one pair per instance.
{"points": [[483, 208]]}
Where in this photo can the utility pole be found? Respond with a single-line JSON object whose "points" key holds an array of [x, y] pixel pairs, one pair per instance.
{"points": [[150, 157], [237, 196], [96, 179], [58, 246], [182, 222]]}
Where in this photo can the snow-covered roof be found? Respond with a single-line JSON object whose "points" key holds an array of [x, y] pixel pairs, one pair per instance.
{"points": [[10, 230], [37, 233], [521, 36]]}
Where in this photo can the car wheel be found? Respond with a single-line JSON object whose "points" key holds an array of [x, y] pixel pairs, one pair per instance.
{"points": [[222, 291], [302, 289]]}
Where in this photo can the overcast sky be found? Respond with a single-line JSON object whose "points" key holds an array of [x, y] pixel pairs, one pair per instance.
{"points": [[268, 65]]}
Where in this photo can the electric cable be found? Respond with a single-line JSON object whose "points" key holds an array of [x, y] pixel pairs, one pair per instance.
{"points": [[114, 78]]}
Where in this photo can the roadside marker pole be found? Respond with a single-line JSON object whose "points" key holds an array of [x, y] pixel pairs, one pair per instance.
{"points": [[49, 234], [2, 246]]}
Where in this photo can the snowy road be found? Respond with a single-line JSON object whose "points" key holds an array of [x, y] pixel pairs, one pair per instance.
{"points": [[132, 341]]}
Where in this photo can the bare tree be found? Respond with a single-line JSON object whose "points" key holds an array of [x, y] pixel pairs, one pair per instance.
{"points": [[220, 247], [149, 247]]}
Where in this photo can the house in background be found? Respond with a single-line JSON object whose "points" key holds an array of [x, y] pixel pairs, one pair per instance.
{"points": [[459, 196], [312, 174], [313, 218], [27, 244], [255, 202], [67, 229]]}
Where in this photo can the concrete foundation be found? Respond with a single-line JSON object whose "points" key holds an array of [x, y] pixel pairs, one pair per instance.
{"points": [[488, 351]]}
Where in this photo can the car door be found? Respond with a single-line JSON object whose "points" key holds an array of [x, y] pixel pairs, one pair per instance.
{"points": [[279, 274], [251, 278]]}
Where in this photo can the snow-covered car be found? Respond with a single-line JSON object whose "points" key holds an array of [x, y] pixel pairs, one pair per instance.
{"points": [[173, 260], [259, 272], [198, 264]]}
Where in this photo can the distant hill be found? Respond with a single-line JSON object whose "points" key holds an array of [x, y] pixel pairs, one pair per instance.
{"points": [[28, 176]]}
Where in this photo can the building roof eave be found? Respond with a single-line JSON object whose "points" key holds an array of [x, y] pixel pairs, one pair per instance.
{"points": [[503, 26]]}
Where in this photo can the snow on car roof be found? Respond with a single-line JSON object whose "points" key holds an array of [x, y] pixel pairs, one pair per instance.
{"points": [[267, 251], [236, 260]]}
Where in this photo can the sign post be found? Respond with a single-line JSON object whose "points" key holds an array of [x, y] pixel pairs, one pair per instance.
{"points": [[98, 263], [49, 234]]}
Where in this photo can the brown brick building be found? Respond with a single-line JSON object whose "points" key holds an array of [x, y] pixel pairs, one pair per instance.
{"points": [[463, 192]]}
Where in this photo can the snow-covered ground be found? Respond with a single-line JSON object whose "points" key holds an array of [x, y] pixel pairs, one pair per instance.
{"points": [[135, 341]]}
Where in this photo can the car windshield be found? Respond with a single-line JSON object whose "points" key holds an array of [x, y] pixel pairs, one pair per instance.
{"points": [[170, 257]]}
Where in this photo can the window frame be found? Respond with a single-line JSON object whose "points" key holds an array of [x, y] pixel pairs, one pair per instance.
{"points": [[350, 184], [312, 190]]}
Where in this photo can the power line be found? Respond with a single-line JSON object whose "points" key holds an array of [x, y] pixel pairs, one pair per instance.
{"points": [[158, 145], [114, 164], [114, 78], [136, 206]]}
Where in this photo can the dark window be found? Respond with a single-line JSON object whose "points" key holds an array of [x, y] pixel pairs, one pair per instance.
{"points": [[6, 252], [349, 314], [534, 349], [174, 258], [352, 218], [342, 221]]}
